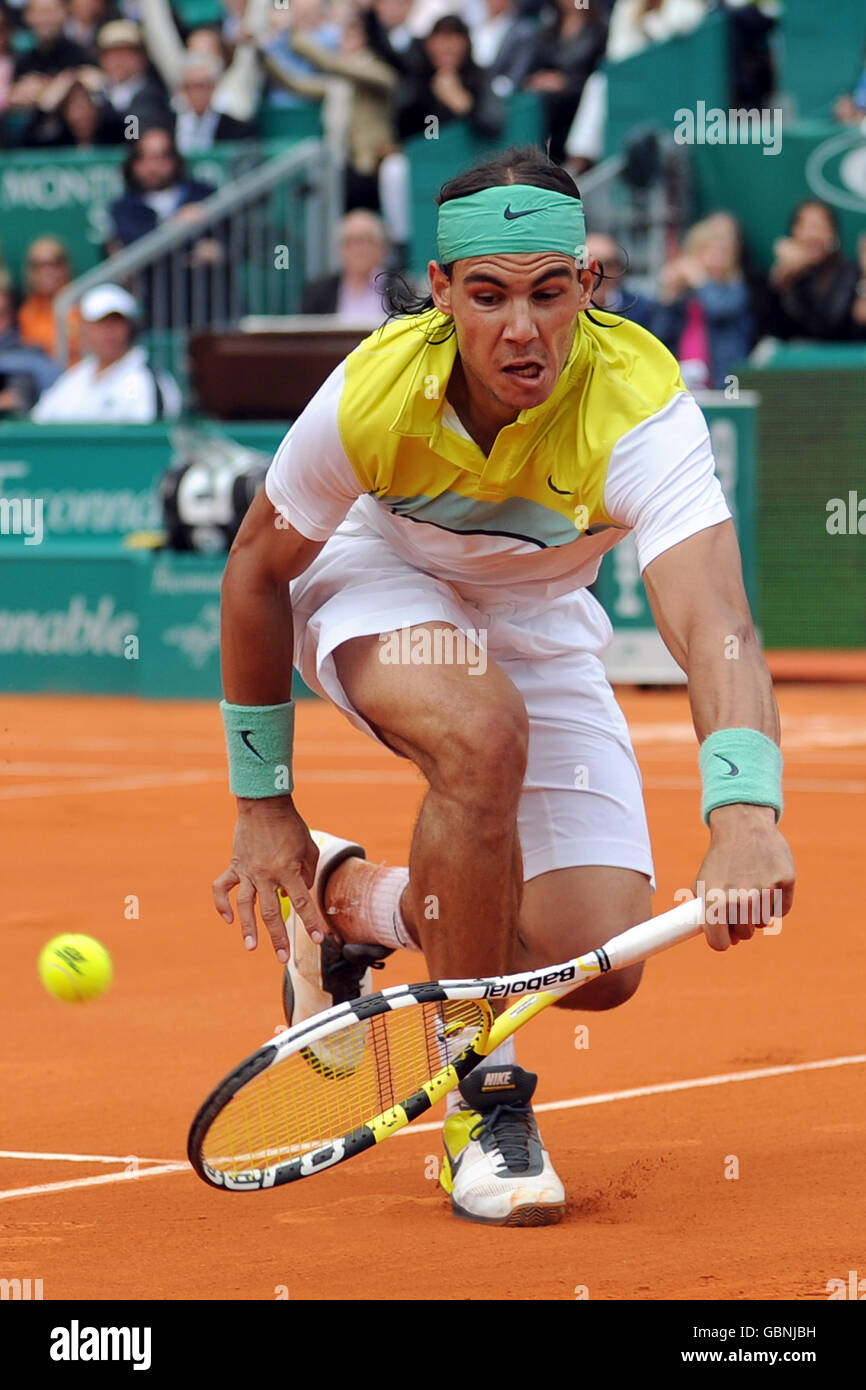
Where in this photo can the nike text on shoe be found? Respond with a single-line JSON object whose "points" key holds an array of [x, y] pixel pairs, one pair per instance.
{"points": [[496, 1167]]}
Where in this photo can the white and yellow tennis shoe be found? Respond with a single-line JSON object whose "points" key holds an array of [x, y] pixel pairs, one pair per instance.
{"points": [[496, 1168], [319, 975]]}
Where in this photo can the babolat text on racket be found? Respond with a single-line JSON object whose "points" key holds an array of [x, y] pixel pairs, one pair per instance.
{"points": [[335, 1085]]}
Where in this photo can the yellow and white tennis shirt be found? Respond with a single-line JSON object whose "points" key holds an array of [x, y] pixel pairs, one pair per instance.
{"points": [[619, 445]]}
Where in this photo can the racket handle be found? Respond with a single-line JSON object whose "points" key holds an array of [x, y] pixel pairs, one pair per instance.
{"points": [[648, 938]]}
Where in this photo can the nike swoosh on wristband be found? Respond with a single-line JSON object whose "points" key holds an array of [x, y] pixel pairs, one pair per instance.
{"points": [[245, 736], [510, 216], [734, 772]]}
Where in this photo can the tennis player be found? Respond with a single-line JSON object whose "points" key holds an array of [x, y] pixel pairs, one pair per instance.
{"points": [[422, 549]]}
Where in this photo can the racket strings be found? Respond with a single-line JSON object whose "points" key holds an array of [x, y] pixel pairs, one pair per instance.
{"points": [[336, 1084]]}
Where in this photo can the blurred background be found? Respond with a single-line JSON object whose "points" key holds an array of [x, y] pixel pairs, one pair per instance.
{"points": [[205, 206]]}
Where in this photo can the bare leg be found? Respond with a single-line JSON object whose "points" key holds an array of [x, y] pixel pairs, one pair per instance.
{"points": [[468, 734], [570, 911]]}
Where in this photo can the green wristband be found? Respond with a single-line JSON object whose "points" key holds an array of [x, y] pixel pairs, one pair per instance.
{"points": [[740, 765], [259, 746]]}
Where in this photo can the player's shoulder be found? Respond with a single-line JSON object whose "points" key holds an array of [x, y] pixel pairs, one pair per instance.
{"points": [[397, 373], [632, 363], [398, 346]]}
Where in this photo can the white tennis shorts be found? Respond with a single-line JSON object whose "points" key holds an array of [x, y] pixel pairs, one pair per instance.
{"points": [[582, 799]]}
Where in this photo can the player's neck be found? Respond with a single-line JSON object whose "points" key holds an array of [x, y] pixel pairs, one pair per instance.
{"points": [[481, 415]]}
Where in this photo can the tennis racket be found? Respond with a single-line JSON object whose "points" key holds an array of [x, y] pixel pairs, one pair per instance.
{"points": [[335, 1085]]}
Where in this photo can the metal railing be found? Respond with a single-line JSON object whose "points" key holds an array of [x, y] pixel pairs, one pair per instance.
{"points": [[644, 216], [252, 247]]}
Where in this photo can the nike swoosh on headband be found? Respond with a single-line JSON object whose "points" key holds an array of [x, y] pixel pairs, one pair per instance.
{"points": [[510, 216]]}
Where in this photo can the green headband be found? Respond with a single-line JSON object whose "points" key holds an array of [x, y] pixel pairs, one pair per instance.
{"points": [[513, 217]]}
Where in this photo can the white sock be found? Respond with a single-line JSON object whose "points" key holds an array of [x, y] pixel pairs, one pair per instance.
{"points": [[380, 908], [501, 1056]]}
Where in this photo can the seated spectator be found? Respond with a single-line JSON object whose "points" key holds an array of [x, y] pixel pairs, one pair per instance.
{"points": [[851, 108], [704, 314], [564, 53], [84, 20], [199, 126], [357, 291], [812, 286], [634, 25], [48, 271], [503, 44], [302, 17], [113, 384], [128, 83], [442, 83], [72, 112], [612, 293], [361, 129], [25, 371], [446, 84], [157, 188], [52, 53]]}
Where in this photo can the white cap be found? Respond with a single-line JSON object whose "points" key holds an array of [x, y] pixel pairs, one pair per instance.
{"points": [[107, 299]]}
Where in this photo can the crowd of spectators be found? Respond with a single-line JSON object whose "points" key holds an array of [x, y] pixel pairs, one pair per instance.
{"points": [[711, 308], [127, 73]]}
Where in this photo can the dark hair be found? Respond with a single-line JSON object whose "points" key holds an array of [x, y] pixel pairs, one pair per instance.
{"points": [[517, 164], [129, 179], [829, 212], [450, 24]]}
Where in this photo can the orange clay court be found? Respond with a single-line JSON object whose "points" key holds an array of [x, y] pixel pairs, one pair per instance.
{"points": [[751, 1061]]}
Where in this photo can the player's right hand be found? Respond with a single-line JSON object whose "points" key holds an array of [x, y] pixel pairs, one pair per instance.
{"points": [[273, 850]]}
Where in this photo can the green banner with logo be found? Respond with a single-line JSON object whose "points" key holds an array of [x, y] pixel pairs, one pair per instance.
{"points": [[94, 483], [816, 159]]}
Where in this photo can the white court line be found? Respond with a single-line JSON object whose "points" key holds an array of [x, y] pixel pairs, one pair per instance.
{"points": [[134, 1176], [156, 782], [81, 1158], [666, 1087], [601, 1098], [115, 784]]}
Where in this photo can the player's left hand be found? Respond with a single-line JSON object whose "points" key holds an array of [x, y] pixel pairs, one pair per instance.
{"points": [[748, 856]]}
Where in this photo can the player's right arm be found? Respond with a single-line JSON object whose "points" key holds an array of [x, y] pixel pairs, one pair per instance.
{"points": [[309, 488], [272, 845]]}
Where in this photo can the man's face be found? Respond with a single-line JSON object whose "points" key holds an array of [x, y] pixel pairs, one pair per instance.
{"points": [[198, 89], [123, 63], [362, 247], [515, 318], [109, 338], [154, 161], [46, 18], [47, 267]]}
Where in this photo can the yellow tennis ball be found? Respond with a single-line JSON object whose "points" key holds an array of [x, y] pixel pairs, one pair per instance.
{"points": [[75, 968]]}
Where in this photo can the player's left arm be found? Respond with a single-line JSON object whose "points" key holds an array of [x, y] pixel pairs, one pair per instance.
{"points": [[696, 592]]}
